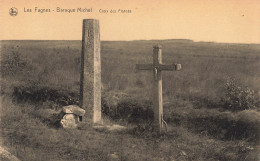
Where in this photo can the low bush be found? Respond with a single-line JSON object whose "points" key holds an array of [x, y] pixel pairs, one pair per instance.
{"points": [[44, 94], [239, 97]]}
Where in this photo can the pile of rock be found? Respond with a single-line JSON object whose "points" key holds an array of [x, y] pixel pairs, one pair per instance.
{"points": [[70, 116]]}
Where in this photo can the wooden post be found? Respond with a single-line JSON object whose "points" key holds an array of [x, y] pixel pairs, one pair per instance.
{"points": [[157, 101], [90, 78]]}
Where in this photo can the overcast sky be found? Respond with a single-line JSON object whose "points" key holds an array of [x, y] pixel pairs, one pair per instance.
{"points": [[236, 21]]}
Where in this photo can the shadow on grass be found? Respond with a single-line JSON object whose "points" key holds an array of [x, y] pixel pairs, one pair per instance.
{"points": [[211, 122]]}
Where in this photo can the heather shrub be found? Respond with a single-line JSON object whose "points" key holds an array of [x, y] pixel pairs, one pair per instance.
{"points": [[37, 94], [239, 97]]}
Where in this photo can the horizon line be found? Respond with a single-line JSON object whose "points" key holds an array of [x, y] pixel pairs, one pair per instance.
{"points": [[131, 40]]}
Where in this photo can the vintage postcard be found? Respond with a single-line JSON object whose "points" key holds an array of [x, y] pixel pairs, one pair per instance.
{"points": [[120, 80]]}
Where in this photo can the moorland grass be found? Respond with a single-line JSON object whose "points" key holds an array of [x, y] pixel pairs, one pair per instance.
{"points": [[30, 138], [45, 75]]}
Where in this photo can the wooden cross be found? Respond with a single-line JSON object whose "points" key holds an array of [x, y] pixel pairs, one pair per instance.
{"points": [[157, 68]]}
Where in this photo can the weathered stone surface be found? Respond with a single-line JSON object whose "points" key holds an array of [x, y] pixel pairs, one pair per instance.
{"points": [[90, 79], [73, 109], [69, 121]]}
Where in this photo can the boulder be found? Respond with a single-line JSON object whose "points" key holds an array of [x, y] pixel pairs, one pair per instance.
{"points": [[73, 109], [69, 121], [69, 116]]}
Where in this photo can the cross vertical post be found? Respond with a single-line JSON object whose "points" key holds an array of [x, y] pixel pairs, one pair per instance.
{"points": [[90, 77], [157, 98]]}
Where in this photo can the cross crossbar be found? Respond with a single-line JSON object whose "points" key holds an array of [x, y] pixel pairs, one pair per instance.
{"points": [[159, 67]]}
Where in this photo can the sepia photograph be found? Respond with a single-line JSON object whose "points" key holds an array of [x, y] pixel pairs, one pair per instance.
{"points": [[120, 80]]}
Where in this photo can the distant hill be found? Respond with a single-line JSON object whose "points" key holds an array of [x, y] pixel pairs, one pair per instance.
{"points": [[170, 46], [166, 40]]}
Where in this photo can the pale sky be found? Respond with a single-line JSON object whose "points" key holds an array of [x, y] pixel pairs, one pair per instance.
{"points": [[235, 21]]}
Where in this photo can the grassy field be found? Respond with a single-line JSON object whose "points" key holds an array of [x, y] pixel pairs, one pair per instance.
{"points": [[38, 75]]}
